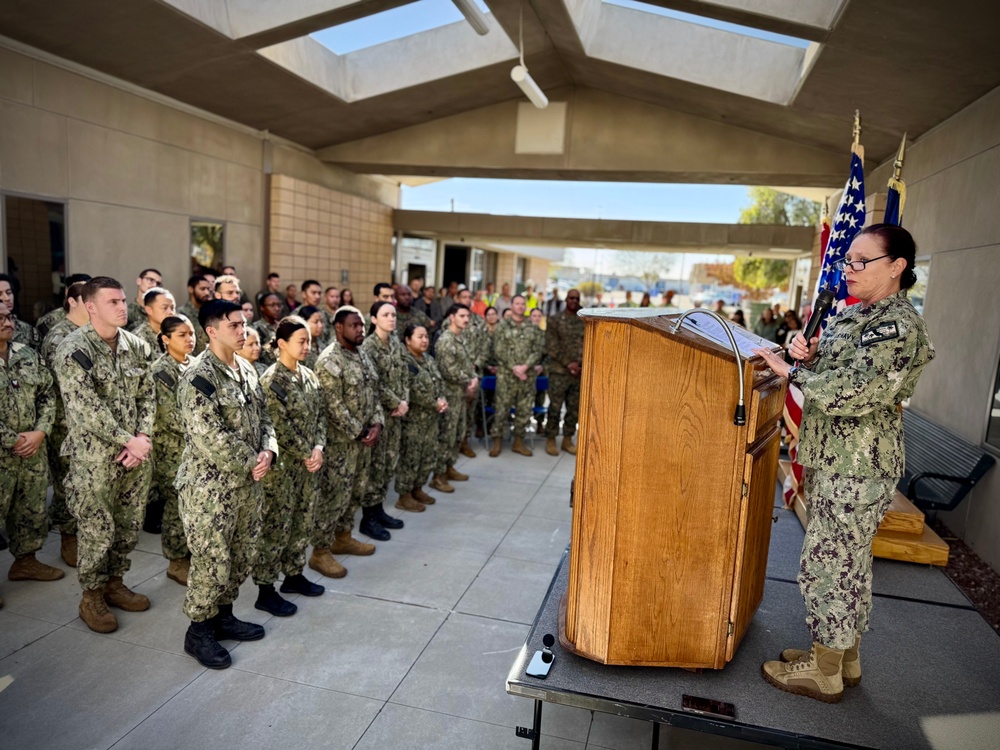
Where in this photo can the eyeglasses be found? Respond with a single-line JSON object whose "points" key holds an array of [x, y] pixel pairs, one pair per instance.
{"points": [[856, 265], [153, 279]]}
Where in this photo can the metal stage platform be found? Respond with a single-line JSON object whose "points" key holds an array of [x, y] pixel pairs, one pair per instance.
{"points": [[931, 669]]}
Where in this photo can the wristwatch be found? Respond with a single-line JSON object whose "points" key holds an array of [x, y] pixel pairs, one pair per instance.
{"points": [[792, 373]]}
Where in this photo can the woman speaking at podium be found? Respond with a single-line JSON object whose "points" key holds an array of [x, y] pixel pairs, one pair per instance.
{"points": [[853, 380]]}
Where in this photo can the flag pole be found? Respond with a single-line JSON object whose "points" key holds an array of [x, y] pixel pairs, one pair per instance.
{"points": [[856, 147]]}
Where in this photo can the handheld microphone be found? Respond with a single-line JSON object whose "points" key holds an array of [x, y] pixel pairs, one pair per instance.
{"points": [[824, 301]]}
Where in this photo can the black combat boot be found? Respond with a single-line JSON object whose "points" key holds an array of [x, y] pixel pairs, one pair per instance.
{"points": [[271, 601], [199, 642], [389, 522], [299, 584], [371, 527], [227, 626]]}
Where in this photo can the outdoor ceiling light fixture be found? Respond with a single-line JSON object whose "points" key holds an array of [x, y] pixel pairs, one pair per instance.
{"points": [[519, 73], [473, 15]]}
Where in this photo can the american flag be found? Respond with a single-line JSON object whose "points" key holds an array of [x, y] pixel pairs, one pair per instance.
{"points": [[847, 222]]}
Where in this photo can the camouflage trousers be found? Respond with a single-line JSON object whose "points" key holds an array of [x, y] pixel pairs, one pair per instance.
{"points": [[23, 482], [108, 502], [835, 576], [451, 428], [345, 473], [172, 540], [222, 523], [385, 459], [515, 394], [60, 519], [563, 389], [473, 412], [290, 491], [418, 451]]}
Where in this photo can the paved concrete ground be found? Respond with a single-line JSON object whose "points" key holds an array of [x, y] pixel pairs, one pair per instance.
{"points": [[410, 650]]}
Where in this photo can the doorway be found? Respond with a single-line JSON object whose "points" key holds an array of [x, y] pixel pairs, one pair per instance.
{"points": [[35, 244], [456, 265]]}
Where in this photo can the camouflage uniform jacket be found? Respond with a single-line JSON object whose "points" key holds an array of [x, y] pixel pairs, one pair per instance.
{"points": [[328, 317], [453, 359], [200, 337], [167, 373], [226, 422], [414, 316], [868, 362], [477, 339], [518, 344], [564, 341], [145, 331], [350, 392], [388, 360], [48, 321], [25, 333], [109, 396], [50, 344], [137, 315], [295, 403], [425, 382], [27, 399]]}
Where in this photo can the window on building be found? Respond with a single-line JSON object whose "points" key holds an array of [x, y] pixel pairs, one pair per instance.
{"points": [[918, 292], [520, 274], [207, 245], [35, 254]]}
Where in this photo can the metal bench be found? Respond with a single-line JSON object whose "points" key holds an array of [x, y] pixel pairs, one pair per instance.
{"points": [[941, 467]]}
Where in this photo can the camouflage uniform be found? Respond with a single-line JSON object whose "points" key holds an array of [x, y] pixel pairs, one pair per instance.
{"points": [[226, 426], [419, 447], [351, 404], [60, 518], [48, 321], [393, 388], [266, 332], [27, 403], [168, 445], [200, 337], [137, 316], [516, 344], [109, 398], [25, 333], [295, 404], [328, 318], [851, 439], [563, 344], [145, 331], [457, 370], [414, 316]]}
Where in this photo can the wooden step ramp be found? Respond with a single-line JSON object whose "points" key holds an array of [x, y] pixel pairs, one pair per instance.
{"points": [[903, 534]]}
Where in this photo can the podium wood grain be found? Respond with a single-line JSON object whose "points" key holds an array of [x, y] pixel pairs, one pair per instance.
{"points": [[668, 553]]}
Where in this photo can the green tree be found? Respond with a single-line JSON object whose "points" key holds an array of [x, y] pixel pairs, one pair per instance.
{"points": [[770, 206], [760, 275], [590, 288]]}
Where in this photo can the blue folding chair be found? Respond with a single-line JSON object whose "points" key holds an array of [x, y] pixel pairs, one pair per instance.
{"points": [[539, 412], [488, 384]]}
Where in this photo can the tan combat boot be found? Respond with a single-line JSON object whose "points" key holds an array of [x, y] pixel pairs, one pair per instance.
{"points": [[465, 449], [178, 570], [94, 611], [117, 594], [323, 561], [851, 663], [27, 568], [520, 447], [408, 502], [456, 476], [439, 483], [495, 448], [67, 549], [550, 447], [345, 544], [818, 675], [423, 497], [567, 445]]}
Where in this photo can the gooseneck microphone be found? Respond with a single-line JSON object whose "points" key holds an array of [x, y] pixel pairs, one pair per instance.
{"points": [[824, 301]]}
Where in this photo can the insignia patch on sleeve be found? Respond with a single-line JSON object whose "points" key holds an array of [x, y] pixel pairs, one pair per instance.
{"points": [[164, 377], [880, 332], [278, 391], [83, 360], [203, 385]]}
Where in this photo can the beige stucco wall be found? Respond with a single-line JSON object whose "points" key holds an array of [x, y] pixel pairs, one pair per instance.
{"points": [[953, 180], [135, 168]]}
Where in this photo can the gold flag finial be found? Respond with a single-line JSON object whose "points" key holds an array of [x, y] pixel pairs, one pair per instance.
{"points": [[857, 128], [897, 166]]}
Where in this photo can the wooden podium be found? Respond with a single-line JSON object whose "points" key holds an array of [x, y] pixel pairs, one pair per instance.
{"points": [[673, 503]]}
